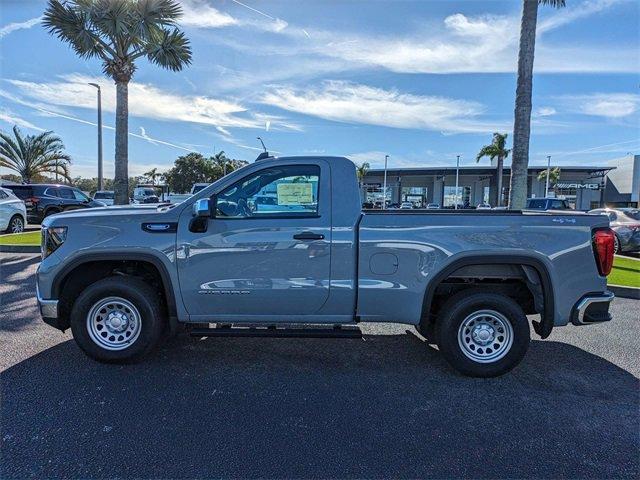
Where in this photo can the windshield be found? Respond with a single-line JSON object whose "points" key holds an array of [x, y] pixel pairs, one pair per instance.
{"points": [[632, 214]]}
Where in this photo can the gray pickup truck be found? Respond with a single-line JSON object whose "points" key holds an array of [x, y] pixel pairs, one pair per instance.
{"points": [[281, 248]]}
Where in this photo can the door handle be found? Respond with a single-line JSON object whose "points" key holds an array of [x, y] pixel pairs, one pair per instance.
{"points": [[308, 236]]}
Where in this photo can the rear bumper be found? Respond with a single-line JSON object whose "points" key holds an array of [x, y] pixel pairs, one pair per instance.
{"points": [[592, 308]]}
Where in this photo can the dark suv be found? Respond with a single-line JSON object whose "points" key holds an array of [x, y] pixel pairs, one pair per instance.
{"points": [[43, 200]]}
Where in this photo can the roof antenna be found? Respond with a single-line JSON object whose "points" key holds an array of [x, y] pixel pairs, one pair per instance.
{"points": [[264, 154]]}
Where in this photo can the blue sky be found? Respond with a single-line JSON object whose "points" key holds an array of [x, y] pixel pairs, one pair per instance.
{"points": [[422, 81]]}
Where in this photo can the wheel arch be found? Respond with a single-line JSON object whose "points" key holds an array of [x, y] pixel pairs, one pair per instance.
{"points": [[68, 270], [543, 327]]}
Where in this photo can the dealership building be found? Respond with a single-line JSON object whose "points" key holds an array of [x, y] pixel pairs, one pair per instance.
{"points": [[613, 183]]}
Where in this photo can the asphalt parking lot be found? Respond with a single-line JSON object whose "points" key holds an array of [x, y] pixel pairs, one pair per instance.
{"points": [[385, 406]]}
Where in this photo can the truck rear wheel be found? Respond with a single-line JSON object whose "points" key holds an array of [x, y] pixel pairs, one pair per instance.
{"points": [[117, 320], [482, 334]]}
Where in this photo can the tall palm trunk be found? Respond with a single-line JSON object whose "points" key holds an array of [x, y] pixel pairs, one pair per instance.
{"points": [[522, 124], [499, 180], [121, 181]]}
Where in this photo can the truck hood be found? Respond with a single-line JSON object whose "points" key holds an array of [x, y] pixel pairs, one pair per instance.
{"points": [[105, 213]]}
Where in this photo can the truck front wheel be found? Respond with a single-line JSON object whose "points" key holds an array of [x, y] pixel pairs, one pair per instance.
{"points": [[117, 319], [482, 334]]}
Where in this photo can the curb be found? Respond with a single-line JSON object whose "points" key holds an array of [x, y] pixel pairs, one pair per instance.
{"points": [[19, 249], [625, 292]]}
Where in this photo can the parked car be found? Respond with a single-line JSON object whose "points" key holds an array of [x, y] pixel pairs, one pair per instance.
{"points": [[547, 204], [483, 206], [121, 278], [106, 197], [13, 213], [145, 195], [625, 222], [433, 206], [43, 200], [406, 206]]}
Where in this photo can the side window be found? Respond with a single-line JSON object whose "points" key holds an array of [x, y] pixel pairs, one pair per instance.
{"points": [[612, 216], [52, 192], [558, 205], [3, 195], [289, 191], [66, 193]]}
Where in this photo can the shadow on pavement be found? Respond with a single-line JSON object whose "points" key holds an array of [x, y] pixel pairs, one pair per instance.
{"points": [[386, 406], [17, 277]]}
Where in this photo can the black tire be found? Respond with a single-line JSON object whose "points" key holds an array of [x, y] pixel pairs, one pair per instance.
{"points": [[16, 219], [462, 308], [142, 296], [50, 211]]}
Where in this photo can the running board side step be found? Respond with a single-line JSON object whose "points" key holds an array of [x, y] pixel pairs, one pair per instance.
{"points": [[278, 332]]}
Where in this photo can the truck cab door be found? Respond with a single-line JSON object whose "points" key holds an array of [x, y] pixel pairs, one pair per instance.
{"points": [[265, 251]]}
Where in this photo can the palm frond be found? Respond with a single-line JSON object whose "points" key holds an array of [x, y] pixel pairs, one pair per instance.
{"points": [[552, 3], [170, 50]]}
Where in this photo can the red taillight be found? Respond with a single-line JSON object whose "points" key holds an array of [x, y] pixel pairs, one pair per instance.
{"points": [[33, 200], [603, 241]]}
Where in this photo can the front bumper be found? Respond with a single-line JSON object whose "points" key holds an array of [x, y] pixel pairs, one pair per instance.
{"points": [[49, 311], [592, 308]]}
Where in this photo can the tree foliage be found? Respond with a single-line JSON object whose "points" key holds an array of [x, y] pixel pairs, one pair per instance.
{"points": [[195, 168], [32, 156]]}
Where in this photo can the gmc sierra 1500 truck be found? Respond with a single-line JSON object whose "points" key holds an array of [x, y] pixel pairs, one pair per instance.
{"points": [[282, 248]]}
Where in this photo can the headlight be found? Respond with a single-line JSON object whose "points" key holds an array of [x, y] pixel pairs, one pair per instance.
{"points": [[52, 238]]}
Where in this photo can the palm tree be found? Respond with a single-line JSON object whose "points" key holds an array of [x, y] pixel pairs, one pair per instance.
{"points": [[152, 175], [33, 155], [361, 171], [118, 32], [496, 150], [522, 121], [554, 176], [221, 160]]}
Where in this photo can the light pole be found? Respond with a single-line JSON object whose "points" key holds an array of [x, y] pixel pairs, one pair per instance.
{"points": [[546, 188], [99, 134], [384, 185], [457, 177]]}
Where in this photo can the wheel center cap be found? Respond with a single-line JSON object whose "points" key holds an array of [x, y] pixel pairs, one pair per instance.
{"points": [[483, 334], [117, 321]]}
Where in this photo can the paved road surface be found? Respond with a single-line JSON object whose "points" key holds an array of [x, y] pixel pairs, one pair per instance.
{"points": [[386, 406]]}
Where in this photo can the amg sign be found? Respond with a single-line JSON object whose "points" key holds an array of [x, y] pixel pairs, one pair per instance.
{"points": [[589, 186]]}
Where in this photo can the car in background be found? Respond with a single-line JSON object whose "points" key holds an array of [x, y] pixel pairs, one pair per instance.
{"points": [[547, 204], [44, 199], [406, 206], [433, 206], [483, 206], [625, 222], [145, 195], [106, 197], [13, 213]]}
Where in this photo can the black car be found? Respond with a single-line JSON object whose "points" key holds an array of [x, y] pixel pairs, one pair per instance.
{"points": [[43, 200]]}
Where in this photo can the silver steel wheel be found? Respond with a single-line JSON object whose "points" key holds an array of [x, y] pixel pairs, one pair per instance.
{"points": [[616, 244], [485, 336], [17, 225], [114, 323]]}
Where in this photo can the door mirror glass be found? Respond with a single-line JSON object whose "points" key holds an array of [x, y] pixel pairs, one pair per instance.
{"points": [[201, 208]]}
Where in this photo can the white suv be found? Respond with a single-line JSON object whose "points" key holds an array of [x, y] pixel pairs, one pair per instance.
{"points": [[13, 213]]}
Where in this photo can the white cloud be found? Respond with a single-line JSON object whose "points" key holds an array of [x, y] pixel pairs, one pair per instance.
{"points": [[11, 118], [463, 44], [145, 101], [355, 103], [12, 27], [199, 14], [609, 105], [545, 112]]}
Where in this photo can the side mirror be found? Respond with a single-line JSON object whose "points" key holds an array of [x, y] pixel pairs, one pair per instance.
{"points": [[201, 208]]}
